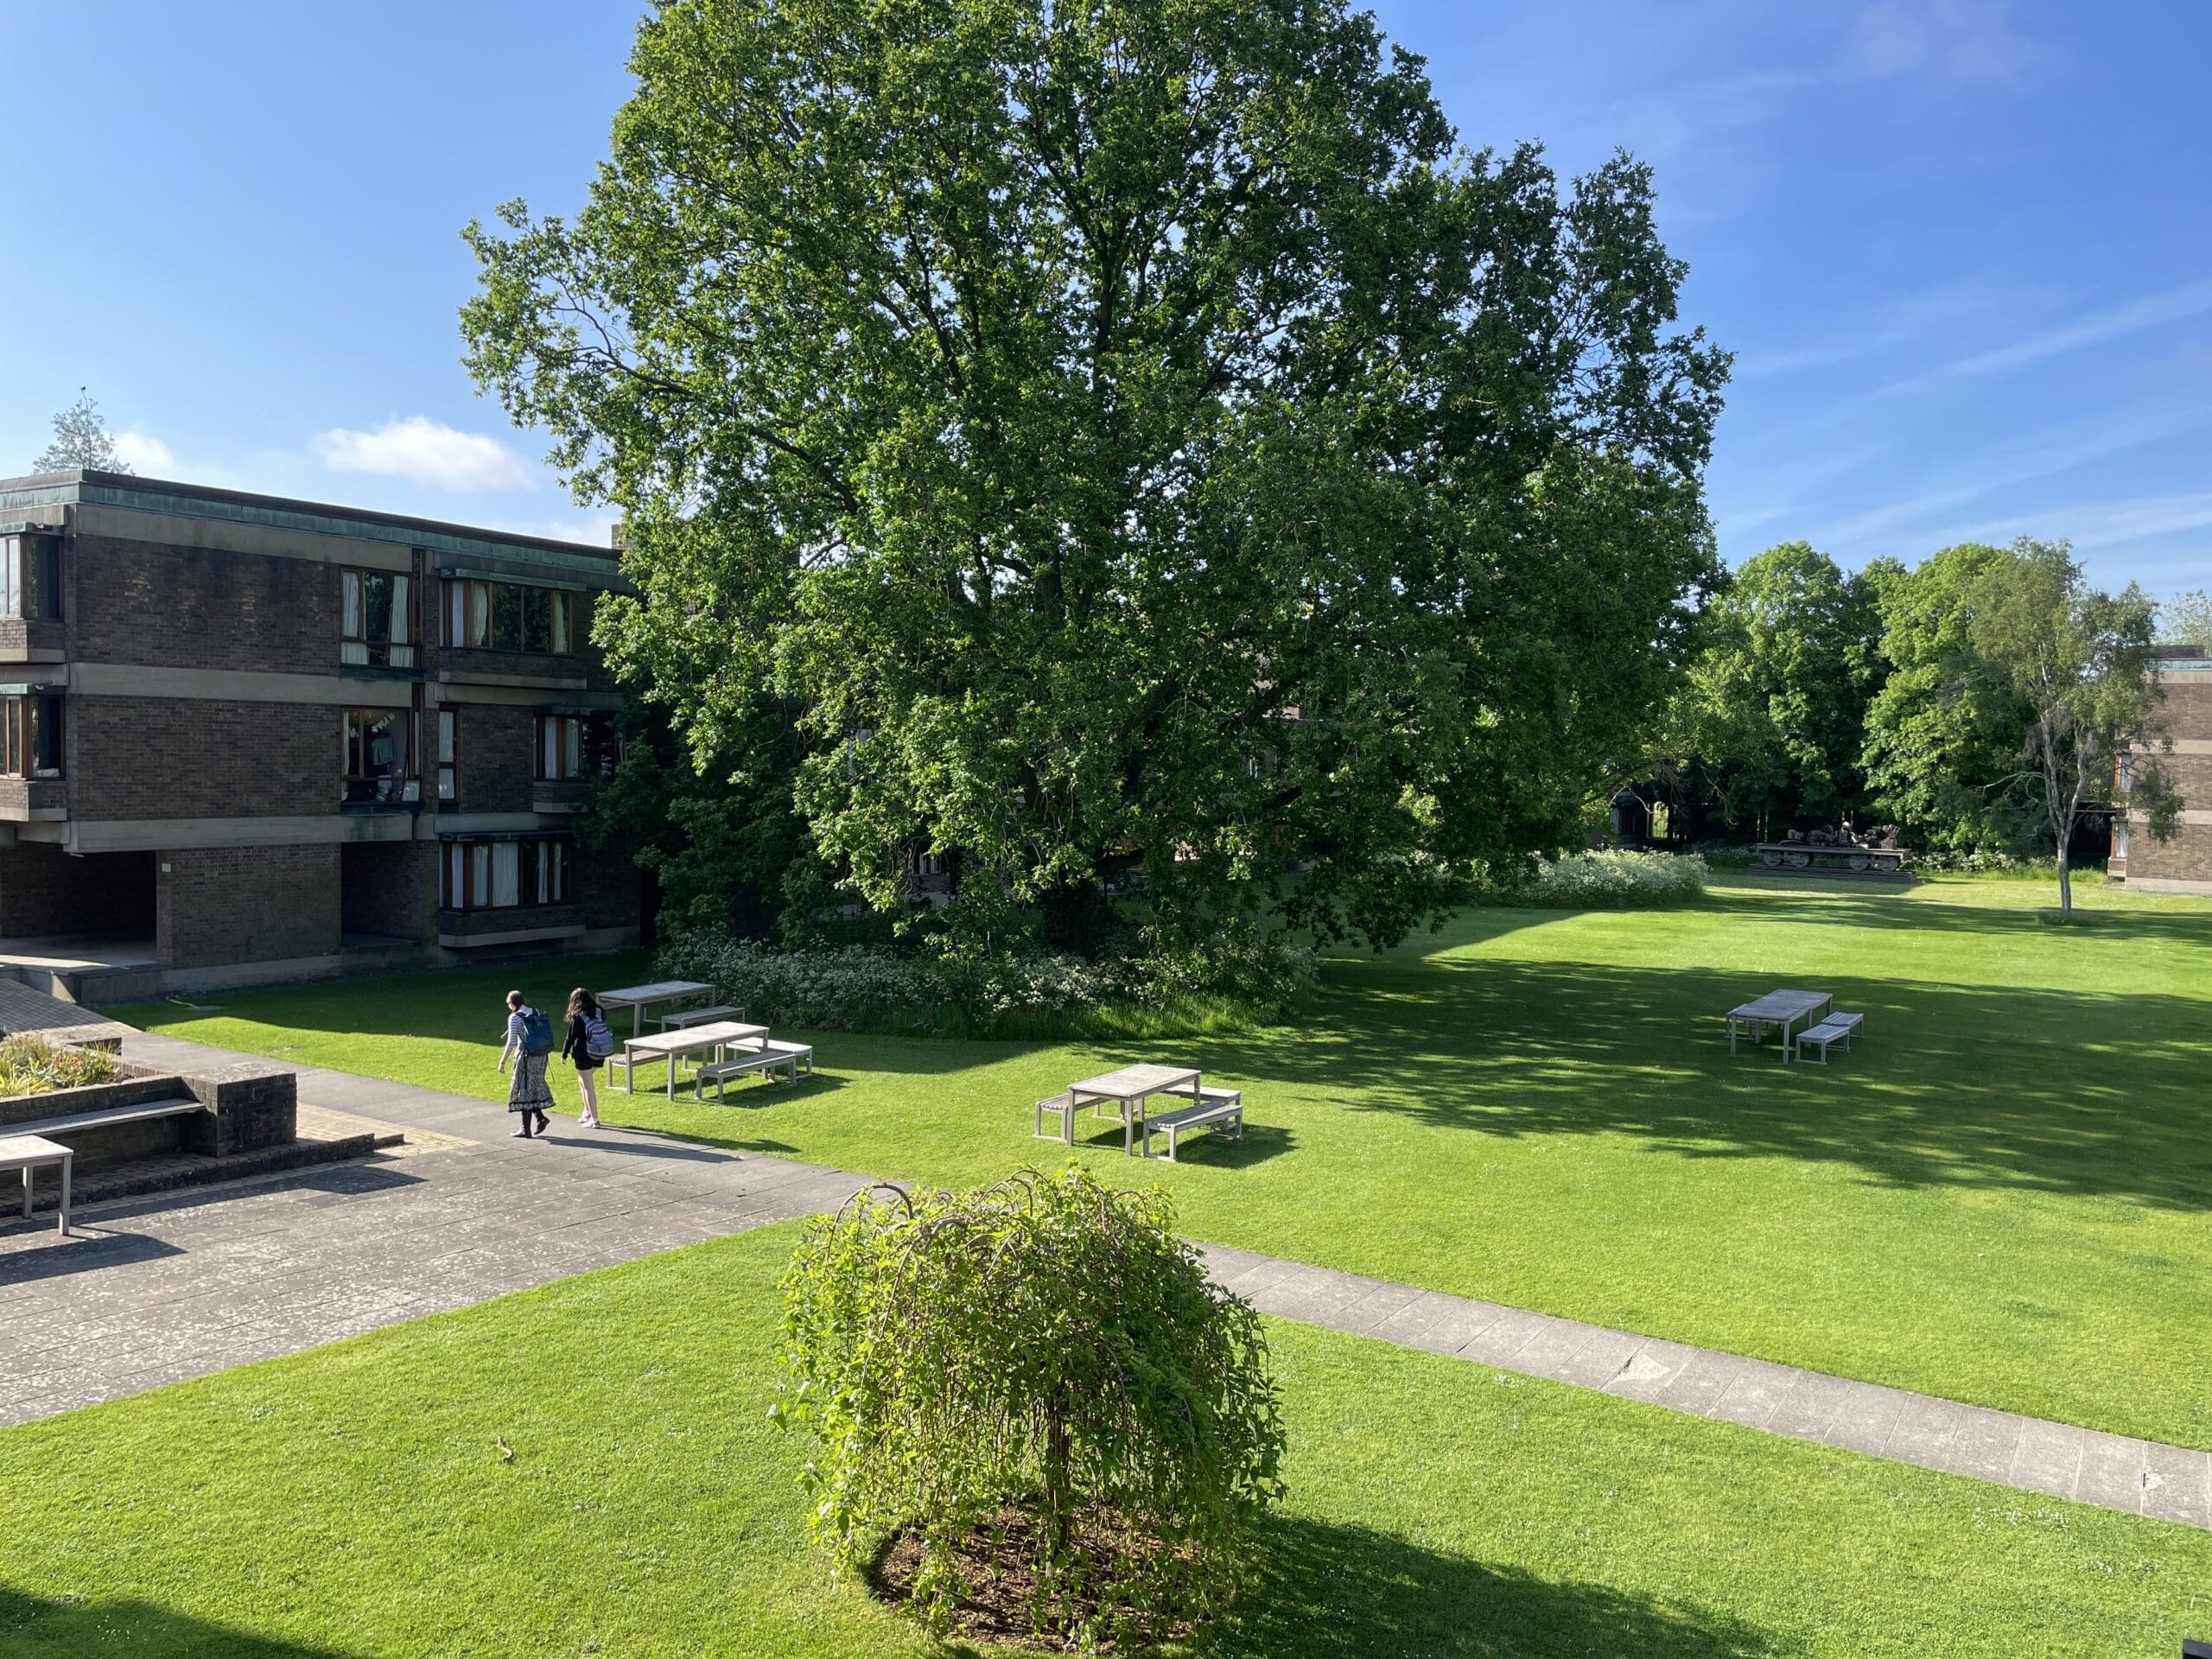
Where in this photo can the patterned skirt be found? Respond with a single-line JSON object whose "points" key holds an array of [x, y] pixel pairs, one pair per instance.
{"points": [[529, 1092]]}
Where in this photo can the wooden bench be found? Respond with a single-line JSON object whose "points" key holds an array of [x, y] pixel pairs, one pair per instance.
{"points": [[1066, 1105], [1222, 1109], [1835, 1028], [766, 1060], [32, 1153], [682, 1017]]}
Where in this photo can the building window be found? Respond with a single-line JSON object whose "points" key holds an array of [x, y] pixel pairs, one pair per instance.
{"points": [[376, 755], [30, 742], [373, 627], [508, 874], [570, 746], [448, 753], [502, 616], [30, 577]]}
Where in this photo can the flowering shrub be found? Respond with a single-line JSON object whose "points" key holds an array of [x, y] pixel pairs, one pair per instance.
{"points": [[1036, 1413], [31, 1066], [1613, 880], [831, 988]]}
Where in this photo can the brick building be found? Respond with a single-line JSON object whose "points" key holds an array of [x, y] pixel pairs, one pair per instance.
{"points": [[2184, 864], [273, 740]]}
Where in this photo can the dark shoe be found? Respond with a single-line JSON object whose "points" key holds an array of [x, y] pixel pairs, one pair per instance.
{"points": [[545, 1123], [522, 1134]]}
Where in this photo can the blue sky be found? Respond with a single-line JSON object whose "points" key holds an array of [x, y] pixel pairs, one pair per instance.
{"points": [[1960, 248]]}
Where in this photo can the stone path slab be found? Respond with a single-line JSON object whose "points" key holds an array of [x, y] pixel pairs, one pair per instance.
{"points": [[157, 1289], [2167, 1483]]}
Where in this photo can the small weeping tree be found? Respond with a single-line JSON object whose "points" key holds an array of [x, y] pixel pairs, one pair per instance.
{"points": [[1038, 1416]]}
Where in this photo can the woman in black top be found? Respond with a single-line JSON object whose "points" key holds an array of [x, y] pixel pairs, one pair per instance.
{"points": [[583, 1008]]}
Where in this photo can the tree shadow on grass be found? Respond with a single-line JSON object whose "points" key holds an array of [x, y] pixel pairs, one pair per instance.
{"points": [[35, 1627], [1887, 912], [1993, 1087], [1325, 1592]]}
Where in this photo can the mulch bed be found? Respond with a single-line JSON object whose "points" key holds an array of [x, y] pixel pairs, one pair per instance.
{"points": [[999, 1583]]}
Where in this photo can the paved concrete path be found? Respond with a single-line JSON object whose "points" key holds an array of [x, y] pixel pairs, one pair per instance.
{"points": [[162, 1288]]}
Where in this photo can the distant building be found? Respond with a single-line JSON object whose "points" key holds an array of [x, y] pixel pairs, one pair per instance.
{"points": [[2184, 864], [267, 739]]}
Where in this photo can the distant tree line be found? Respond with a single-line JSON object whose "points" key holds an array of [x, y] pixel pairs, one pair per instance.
{"points": [[1981, 702]]}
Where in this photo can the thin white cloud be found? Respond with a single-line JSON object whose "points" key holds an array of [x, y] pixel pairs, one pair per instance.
{"points": [[147, 454], [1948, 39], [1894, 325], [425, 452], [1912, 525], [2151, 311], [2094, 525]]}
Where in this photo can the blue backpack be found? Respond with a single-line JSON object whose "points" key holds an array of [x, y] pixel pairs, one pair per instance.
{"points": [[536, 1033]]}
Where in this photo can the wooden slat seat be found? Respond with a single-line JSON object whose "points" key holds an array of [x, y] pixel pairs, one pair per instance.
{"points": [[767, 1061], [1838, 1027], [1065, 1105], [1218, 1108]]}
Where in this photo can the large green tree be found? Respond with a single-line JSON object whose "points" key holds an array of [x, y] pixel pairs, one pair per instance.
{"points": [[1938, 740], [1127, 433], [2084, 665], [2025, 702], [1770, 716]]}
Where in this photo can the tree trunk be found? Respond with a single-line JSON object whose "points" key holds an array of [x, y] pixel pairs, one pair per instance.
{"points": [[2065, 883], [1057, 1498]]}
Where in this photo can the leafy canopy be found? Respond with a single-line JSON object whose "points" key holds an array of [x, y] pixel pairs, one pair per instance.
{"points": [[2084, 665], [81, 440], [1046, 1345], [2024, 701], [1127, 436], [1772, 711], [1939, 741]]}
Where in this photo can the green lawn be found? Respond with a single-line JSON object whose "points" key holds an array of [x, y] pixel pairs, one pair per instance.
{"points": [[353, 1501], [2001, 1196]]}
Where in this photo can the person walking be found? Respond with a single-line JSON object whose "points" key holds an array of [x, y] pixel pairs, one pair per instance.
{"points": [[589, 1042], [530, 1041]]}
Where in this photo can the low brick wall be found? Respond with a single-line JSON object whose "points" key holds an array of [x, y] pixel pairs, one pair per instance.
{"points": [[118, 1143], [248, 1107]]}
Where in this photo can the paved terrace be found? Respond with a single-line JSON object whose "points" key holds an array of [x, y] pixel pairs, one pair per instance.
{"points": [[159, 1289]]}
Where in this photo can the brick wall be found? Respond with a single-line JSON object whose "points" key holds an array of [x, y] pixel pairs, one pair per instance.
{"points": [[44, 891], [498, 757], [147, 602], [2187, 858], [193, 758], [389, 887], [2188, 705], [218, 906]]}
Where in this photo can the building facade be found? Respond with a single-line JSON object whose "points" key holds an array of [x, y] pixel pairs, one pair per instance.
{"points": [[275, 740], [2184, 864]]}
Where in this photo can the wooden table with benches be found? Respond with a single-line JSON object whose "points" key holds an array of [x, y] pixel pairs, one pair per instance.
{"points": [[715, 1038], [1130, 1090], [1776, 1008]]}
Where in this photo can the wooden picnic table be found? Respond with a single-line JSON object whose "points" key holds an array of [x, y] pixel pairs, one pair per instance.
{"points": [[1784, 1009], [1130, 1088], [672, 1046], [639, 998]]}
